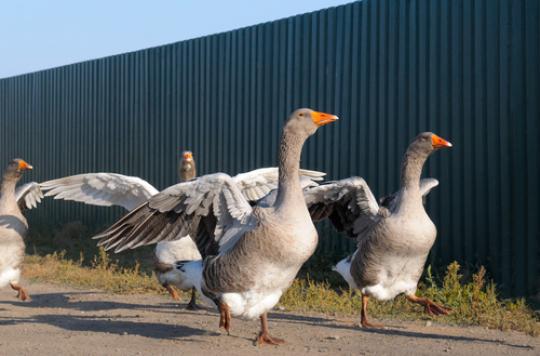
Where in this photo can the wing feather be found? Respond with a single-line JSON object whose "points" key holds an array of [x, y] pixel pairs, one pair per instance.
{"points": [[28, 195], [178, 210], [343, 202], [102, 189]]}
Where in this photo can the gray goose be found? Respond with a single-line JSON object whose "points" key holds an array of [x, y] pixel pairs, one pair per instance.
{"points": [[393, 242], [251, 254], [108, 189], [13, 224], [184, 249]]}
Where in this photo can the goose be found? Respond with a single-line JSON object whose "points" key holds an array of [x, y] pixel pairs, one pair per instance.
{"points": [[108, 189], [393, 240], [184, 249], [13, 224], [251, 255], [167, 253]]}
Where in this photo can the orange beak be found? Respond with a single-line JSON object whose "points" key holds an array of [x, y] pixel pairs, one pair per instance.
{"points": [[321, 118], [23, 166], [188, 155], [439, 142]]}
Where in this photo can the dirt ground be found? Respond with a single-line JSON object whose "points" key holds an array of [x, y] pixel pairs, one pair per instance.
{"points": [[61, 320]]}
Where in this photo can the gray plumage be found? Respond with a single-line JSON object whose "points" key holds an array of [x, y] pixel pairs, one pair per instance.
{"points": [[394, 239], [426, 185]]}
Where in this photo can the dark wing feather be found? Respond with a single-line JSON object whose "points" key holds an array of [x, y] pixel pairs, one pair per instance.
{"points": [[342, 202], [203, 208]]}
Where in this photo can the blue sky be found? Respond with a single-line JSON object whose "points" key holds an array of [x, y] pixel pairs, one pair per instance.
{"points": [[40, 34]]}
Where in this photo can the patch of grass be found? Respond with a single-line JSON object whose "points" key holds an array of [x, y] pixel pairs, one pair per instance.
{"points": [[475, 302], [101, 273]]}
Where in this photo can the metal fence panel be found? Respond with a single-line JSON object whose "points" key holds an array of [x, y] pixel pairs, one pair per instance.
{"points": [[467, 70]]}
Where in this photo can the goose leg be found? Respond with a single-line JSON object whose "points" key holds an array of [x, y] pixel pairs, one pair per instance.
{"points": [[363, 315], [430, 307], [192, 305], [224, 317], [172, 291], [264, 336], [21, 292]]}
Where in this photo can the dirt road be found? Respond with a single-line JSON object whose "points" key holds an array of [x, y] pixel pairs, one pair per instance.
{"points": [[62, 320]]}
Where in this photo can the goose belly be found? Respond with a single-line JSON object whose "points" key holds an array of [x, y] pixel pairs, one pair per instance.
{"points": [[394, 261], [8, 275], [263, 296], [11, 257], [396, 275]]}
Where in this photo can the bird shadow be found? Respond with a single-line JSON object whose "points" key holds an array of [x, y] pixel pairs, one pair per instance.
{"points": [[422, 335], [68, 300], [390, 330], [104, 324], [107, 325], [311, 320]]}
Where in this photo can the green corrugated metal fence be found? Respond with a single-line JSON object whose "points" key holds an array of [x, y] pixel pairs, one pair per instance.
{"points": [[468, 70]]}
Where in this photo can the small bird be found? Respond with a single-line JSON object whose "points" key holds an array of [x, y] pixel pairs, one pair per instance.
{"points": [[13, 226], [394, 239]]}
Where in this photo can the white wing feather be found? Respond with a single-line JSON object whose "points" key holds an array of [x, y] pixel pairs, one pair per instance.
{"points": [[30, 193], [102, 189]]}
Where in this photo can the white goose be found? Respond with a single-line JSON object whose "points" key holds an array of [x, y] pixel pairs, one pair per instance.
{"points": [[251, 254]]}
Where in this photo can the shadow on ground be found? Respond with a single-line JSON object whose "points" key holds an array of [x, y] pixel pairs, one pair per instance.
{"points": [[107, 325], [389, 330], [136, 326]]}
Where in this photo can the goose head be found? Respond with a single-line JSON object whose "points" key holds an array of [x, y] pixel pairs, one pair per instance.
{"points": [[416, 155], [426, 143], [16, 167], [306, 121], [187, 156]]}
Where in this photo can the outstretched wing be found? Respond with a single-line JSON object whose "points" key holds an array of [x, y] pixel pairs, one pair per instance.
{"points": [[103, 189], [258, 183], [28, 195], [268, 200], [209, 202], [343, 202], [426, 185]]}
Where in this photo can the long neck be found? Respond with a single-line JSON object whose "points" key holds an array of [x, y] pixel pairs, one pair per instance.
{"points": [[412, 165], [289, 190], [7, 190]]}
